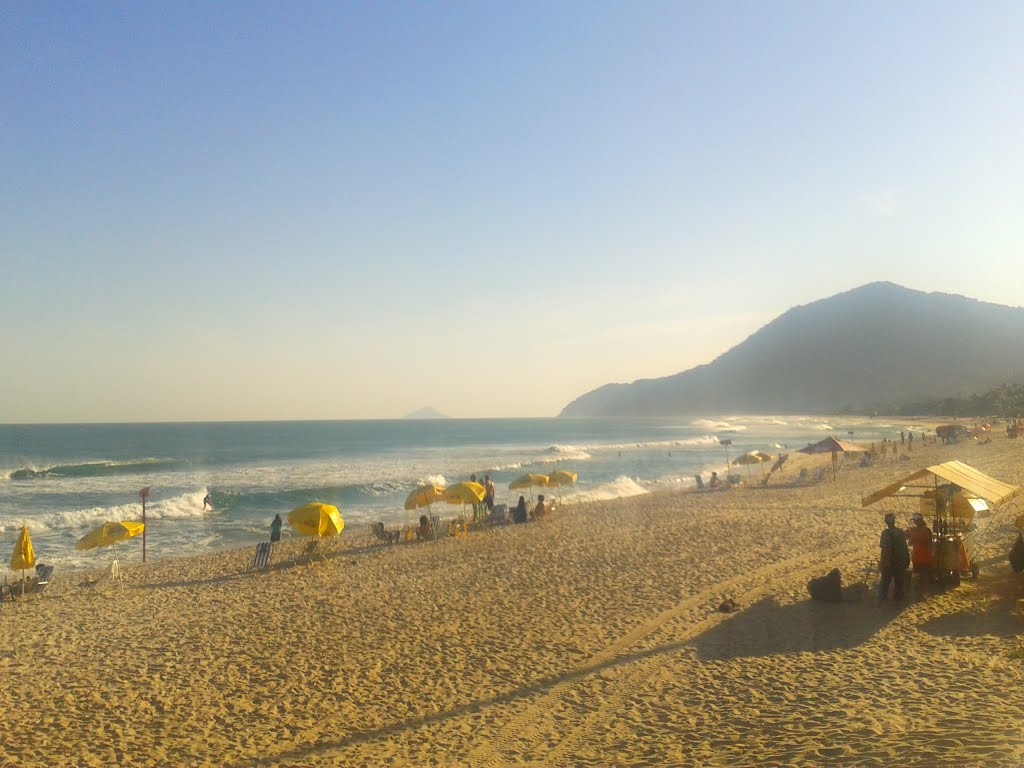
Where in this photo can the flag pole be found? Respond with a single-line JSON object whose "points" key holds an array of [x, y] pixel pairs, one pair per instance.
{"points": [[144, 494]]}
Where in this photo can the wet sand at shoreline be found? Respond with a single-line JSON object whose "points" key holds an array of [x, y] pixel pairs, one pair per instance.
{"points": [[591, 638]]}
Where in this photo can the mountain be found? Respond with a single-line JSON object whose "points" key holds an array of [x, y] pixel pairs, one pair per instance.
{"points": [[880, 344], [427, 412]]}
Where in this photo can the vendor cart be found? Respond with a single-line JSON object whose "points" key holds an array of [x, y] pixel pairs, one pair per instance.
{"points": [[951, 496]]}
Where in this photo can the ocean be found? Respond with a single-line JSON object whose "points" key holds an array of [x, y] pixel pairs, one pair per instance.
{"points": [[63, 480]]}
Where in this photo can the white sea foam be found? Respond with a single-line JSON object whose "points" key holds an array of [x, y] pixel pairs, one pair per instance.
{"points": [[712, 425], [688, 442], [620, 488], [187, 505], [563, 454]]}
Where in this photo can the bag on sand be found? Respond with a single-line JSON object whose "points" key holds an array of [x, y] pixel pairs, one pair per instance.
{"points": [[828, 588], [1016, 557]]}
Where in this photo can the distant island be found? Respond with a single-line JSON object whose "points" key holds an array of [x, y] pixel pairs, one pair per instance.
{"points": [[877, 348], [427, 412]]}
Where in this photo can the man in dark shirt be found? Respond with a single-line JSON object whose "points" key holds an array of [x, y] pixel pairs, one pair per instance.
{"points": [[893, 559]]}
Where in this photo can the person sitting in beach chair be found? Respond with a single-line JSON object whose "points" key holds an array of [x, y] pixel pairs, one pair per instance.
{"points": [[714, 482], [426, 530], [519, 513], [541, 509]]}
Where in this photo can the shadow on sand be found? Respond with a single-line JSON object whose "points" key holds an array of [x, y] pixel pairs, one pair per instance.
{"points": [[991, 612], [767, 628], [288, 559]]}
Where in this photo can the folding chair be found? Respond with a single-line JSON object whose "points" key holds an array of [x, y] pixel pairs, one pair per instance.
{"points": [[261, 560], [311, 550], [499, 515], [43, 575]]}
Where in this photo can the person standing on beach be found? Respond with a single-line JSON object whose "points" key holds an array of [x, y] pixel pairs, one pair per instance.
{"points": [[921, 555], [893, 560], [275, 529], [489, 493]]}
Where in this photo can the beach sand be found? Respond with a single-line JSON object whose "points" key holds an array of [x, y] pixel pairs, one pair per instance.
{"points": [[592, 638]]}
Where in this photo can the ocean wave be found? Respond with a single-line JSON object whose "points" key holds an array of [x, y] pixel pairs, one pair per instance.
{"points": [[93, 468], [620, 488], [712, 425], [186, 505], [690, 442]]}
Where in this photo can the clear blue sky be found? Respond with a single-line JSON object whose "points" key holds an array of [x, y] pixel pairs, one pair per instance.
{"points": [[348, 210]]}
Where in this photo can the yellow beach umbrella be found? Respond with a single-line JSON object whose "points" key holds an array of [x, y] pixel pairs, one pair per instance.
{"points": [[528, 481], [23, 557], [108, 534], [559, 478], [465, 493], [749, 458], [316, 519], [424, 496]]}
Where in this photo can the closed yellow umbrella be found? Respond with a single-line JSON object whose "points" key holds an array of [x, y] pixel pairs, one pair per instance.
{"points": [[316, 519], [108, 534], [424, 496], [23, 557]]}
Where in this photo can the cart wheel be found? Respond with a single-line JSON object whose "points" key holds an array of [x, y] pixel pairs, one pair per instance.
{"points": [[974, 569]]}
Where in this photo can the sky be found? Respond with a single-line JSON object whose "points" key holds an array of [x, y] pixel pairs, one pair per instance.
{"points": [[234, 211]]}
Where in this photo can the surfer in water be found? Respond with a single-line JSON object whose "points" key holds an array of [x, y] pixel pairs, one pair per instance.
{"points": [[207, 502]]}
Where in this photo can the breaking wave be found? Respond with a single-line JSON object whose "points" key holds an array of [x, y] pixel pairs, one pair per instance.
{"points": [[620, 488], [95, 468]]}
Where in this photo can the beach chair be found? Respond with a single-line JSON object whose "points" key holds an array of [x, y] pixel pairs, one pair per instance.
{"points": [[43, 575], [261, 560], [499, 515], [819, 475], [383, 535], [310, 550], [700, 482], [6, 593]]}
